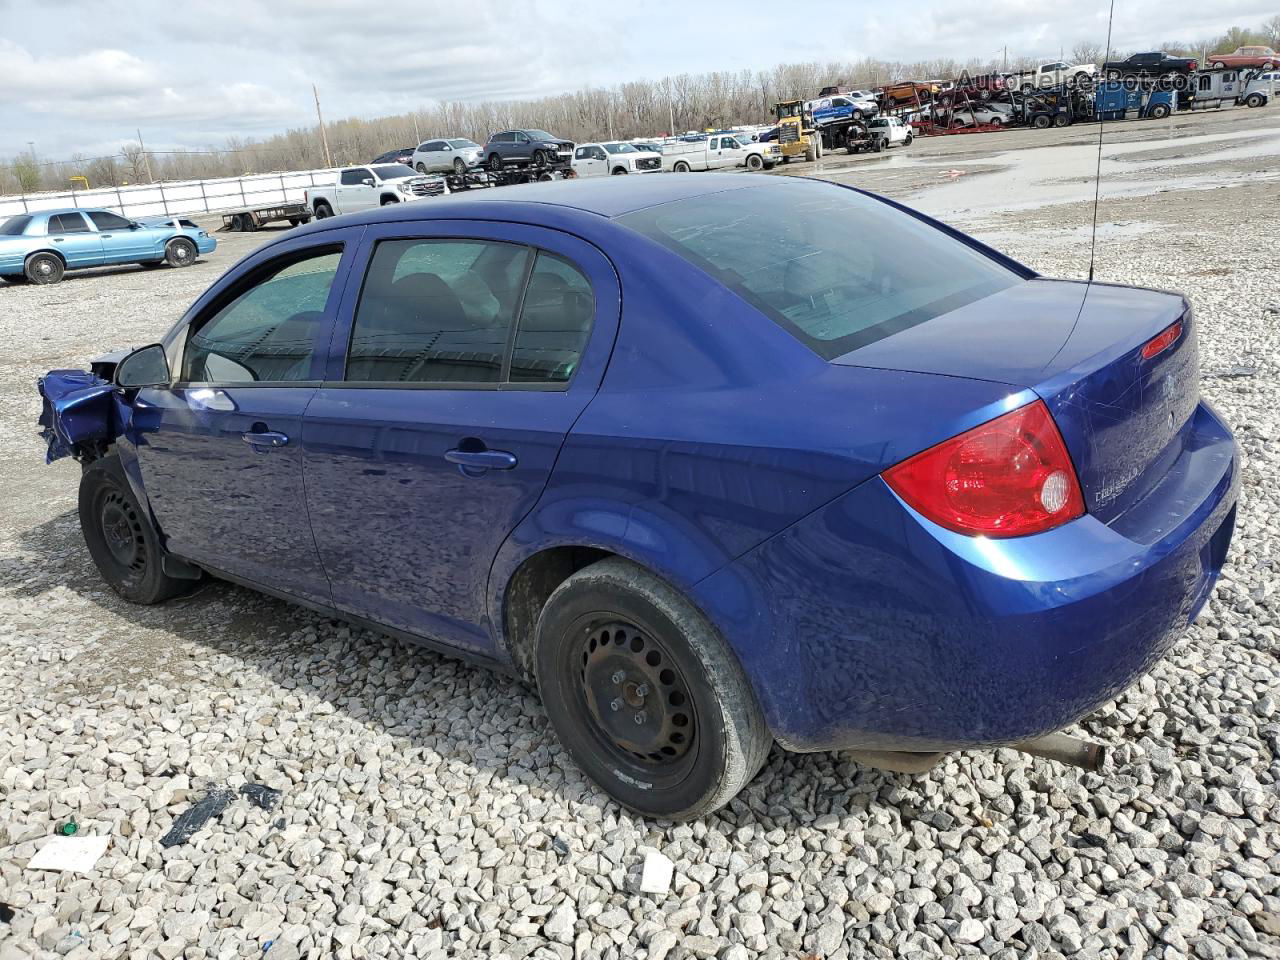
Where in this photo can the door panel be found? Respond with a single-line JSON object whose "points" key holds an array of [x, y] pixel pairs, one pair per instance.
{"points": [[412, 487], [70, 235], [222, 501]]}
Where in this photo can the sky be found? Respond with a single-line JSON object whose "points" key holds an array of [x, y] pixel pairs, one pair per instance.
{"points": [[82, 77]]}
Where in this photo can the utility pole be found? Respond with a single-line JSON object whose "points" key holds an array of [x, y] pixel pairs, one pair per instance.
{"points": [[1006, 58], [417, 134], [324, 137], [672, 111], [146, 159]]}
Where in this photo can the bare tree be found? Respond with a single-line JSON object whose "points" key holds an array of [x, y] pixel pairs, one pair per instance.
{"points": [[26, 172], [1271, 30], [1088, 53], [137, 163]]}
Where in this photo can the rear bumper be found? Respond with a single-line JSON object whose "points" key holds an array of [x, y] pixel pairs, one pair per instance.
{"points": [[867, 626], [206, 244]]}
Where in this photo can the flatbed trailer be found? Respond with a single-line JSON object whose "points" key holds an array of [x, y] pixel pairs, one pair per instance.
{"points": [[248, 219], [482, 178]]}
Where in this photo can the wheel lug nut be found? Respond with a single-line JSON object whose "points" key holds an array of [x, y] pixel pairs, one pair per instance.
{"points": [[619, 677], [640, 718], [642, 690], [615, 706]]}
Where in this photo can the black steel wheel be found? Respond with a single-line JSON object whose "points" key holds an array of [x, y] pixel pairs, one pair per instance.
{"points": [[180, 252], [119, 535], [495, 162], [44, 268], [645, 695]]}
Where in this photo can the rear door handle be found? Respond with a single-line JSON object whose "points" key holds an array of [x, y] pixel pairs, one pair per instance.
{"points": [[475, 462], [268, 438]]}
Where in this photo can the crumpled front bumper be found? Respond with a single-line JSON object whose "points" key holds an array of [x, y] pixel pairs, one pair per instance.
{"points": [[80, 410]]}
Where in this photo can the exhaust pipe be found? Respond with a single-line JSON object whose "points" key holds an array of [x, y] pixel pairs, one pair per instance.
{"points": [[1065, 749]]}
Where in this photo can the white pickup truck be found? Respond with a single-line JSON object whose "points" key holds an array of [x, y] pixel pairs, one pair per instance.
{"points": [[717, 151], [1050, 75], [359, 188]]}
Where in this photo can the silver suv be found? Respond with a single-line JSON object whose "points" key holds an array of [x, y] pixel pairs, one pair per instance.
{"points": [[446, 156]]}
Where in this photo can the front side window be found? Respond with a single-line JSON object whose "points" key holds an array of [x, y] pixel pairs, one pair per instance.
{"points": [[268, 331], [582, 153], [435, 311], [464, 144], [353, 178], [108, 221], [63, 223], [834, 268], [555, 322]]}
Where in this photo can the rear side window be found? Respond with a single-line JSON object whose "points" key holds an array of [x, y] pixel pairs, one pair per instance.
{"points": [[555, 321], [63, 223], [268, 331], [834, 268], [14, 226], [437, 311]]}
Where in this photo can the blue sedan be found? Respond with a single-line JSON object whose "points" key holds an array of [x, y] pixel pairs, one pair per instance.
{"points": [[843, 480], [41, 247]]}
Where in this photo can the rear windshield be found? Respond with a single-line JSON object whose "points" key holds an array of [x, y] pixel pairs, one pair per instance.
{"points": [[14, 226], [393, 171], [831, 266]]}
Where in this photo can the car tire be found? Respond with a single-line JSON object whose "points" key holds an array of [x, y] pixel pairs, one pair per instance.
{"points": [[614, 642], [387, 201], [907, 140], [243, 223], [1253, 100], [538, 159], [180, 252], [619, 172], [755, 162], [44, 268], [680, 167], [495, 162], [1061, 120], [1028, 88], [1159, 111], [421, 168], [1218, 65], [121, 540], [323, 211], [459, 166], [1042, 122], [295, 221]]}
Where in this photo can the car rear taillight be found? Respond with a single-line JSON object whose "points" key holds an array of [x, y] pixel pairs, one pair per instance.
{"points": [[1162, 341], [1008, 477]]}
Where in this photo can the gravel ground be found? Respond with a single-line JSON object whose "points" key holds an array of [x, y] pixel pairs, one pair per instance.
{"points": [[427, 811]]}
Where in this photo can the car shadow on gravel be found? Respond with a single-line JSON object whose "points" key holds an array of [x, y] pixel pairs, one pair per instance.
{"points": [[361, 672]]}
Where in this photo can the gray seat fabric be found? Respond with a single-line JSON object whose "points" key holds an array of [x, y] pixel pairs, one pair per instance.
{"points": [[553, 330], [419, 331]]}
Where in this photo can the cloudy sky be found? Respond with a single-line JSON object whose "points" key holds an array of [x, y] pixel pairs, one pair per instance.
{"points": [[81, 77]]}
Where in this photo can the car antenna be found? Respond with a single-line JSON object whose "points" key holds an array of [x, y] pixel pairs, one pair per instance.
{"points": [[1097, 173]]}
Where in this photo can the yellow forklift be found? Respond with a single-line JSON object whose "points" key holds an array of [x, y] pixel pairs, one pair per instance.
{"points": [[796, 134]]}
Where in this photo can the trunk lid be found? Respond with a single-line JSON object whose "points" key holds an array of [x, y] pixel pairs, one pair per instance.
{"points": [[1123, 417]]}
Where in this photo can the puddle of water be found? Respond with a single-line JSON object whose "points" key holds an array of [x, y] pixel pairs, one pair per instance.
{"points": [[1042, 176]]}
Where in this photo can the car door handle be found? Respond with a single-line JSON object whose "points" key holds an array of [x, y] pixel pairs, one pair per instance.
{"points": [[473, 463], [267, 438], [106, 236], [57, 239]]}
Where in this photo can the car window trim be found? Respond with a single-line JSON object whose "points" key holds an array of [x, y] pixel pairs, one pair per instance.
{"points": [[503, 383], [233, 292]]}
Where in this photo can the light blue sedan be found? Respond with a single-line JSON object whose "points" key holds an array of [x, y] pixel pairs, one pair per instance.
{"points": [[40, 247]]}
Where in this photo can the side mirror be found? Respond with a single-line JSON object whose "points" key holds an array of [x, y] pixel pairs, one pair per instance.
{"points": [[145, 367], [134, 225], [367, 181]]}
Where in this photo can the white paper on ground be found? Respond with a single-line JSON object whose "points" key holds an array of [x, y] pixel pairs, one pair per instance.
{"points": [[72, 854], [656, 876]]}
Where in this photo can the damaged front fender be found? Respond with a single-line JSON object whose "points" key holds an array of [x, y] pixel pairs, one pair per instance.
{"points": [[82, 413]]}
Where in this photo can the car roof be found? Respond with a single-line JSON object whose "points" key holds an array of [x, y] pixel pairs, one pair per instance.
{"points": [[54, 211], [593, 197]]}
